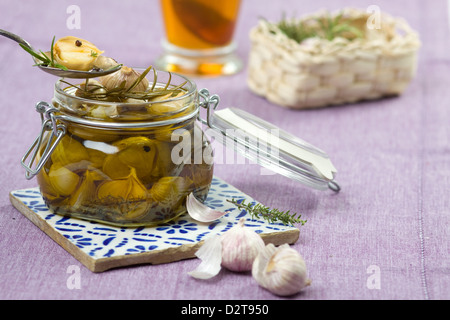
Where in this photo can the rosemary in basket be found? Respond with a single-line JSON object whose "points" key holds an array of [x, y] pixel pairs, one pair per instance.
{"points": [[271, 215], [327, 27]]}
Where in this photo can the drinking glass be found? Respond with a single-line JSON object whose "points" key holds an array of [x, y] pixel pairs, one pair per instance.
{"points": [[199, 37]]}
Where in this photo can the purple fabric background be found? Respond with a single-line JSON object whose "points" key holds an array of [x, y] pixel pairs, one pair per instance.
{"points": [[392, 156]]}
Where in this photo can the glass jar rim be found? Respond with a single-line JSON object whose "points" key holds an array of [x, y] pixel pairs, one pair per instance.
{"points": [[182, 116]]}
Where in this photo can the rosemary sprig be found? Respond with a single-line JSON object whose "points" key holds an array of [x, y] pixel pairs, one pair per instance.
{"points": [[271, 215], [327, 27], [41, 56], [296, 31], [120, 92], [334, 27]]}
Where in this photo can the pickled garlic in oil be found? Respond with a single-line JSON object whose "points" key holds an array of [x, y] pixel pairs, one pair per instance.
{"points": [[128, 196]]}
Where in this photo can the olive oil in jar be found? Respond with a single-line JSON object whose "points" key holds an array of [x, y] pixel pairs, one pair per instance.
{"points": [[117, 158], [128, 180]]}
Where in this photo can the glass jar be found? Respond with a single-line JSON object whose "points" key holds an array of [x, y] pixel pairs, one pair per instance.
{"points": [[124, 164]]}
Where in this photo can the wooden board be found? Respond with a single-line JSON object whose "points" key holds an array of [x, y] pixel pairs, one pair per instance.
{"points": [[102, 247]]}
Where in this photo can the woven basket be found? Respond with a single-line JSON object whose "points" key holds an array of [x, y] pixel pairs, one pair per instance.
{"points": [[318, 72]]}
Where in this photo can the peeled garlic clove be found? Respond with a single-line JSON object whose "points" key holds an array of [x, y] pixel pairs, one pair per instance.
{"points": [[139, 153], [114, 168], [104, 63], [129, 194], [63, 180], [96, 158], [86, 90], [45, 185], [69, 151], [86, 191], [104, 112], [127, 76], [124, 189], [169, 190], [92, 86], [240, 246], [199, 211], [161, 106], [281, 270], [75, 53], [93, 134]]}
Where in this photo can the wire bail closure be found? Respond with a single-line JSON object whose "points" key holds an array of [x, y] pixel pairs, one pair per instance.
{"points": [[209, 102], [49, 122]]}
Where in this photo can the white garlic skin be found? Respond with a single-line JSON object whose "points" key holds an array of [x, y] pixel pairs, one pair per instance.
{"points": [[281, 270], [129, 75], [240, 246]]}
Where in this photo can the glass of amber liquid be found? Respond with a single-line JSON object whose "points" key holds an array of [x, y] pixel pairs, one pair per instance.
{"points": [[199, 37]]}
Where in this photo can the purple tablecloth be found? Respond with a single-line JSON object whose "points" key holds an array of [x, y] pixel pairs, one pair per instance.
{"points": [[390, 220]]}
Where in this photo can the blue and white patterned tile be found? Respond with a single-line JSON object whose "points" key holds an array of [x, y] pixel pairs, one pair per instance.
{"points": [[103, 241]]}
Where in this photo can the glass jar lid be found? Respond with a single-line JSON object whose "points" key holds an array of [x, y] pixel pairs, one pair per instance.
{"points": [[268, 145]]}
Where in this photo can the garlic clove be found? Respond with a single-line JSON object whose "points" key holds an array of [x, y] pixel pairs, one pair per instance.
{"points": [[211, 255], [199, 211], [169, 191], [159, 105], [281, 270], [124, 77], [86, 191], [63, 180], [129, 195], [93, 87], [139, 153], [75, 53], [69, 151], [114, 168], [104, 63], [240, 246]]}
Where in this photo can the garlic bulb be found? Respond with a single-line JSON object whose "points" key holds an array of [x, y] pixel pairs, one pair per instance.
{"points": [[235, 250], [240, 246], [127, 76], [281, 270]]}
